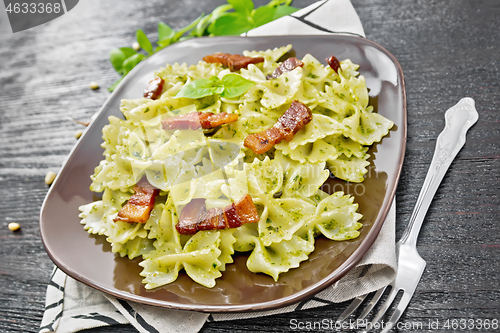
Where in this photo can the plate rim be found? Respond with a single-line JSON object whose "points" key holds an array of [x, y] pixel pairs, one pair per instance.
{"points": [[298, 296]]}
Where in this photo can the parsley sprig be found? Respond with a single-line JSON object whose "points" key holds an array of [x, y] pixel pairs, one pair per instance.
{"points": [[233, 18]]}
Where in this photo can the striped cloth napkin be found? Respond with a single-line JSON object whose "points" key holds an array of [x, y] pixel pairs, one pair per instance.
{"points": [[72, 306]]}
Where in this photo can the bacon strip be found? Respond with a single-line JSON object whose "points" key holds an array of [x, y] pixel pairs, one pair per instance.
{"points": [[286, 66], [293, 120], [154, 88], [195, 120], [139, 206], [246, 210], [334, 63], [194, 217], [191, 214], [234, 62]]}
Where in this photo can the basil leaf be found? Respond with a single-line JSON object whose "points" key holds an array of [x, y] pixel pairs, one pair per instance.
{"points": [[221, 10], [230, 24], [130, 63], [165, 32], [218, 90], [235, 85], [214, 81], [114, 85], [128, 51], [201, 26], [220, 22], [242, 7], [284, 11], [217, 85], [164, 43], [187, 28], [263, 15], [275, 3], [197, 89], [116, 57], [143, 41]]}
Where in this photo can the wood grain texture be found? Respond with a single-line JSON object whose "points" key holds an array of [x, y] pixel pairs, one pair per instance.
{"points": [[448, 50]]}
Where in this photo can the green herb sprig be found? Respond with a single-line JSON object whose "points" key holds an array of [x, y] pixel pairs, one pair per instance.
{"points": [[233, 18], [231, 85]]}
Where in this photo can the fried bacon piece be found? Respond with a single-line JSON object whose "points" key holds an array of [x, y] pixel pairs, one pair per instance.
{"points": [[140, 204], [293, 120], [246, 210], [286, 66], [263, 141], [192, 213], [334, 63], [154, 88], [195, 217], [212, 219], [195, 120], [234, 62]]}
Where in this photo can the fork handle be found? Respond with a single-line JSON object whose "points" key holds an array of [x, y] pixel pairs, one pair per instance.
{"points": [[459, 119]]}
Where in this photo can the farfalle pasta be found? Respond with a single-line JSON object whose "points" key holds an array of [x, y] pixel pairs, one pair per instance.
{"points": [[213, 165]]}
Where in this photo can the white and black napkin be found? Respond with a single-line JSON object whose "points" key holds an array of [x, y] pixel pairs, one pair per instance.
{"points": [[72, 306]]}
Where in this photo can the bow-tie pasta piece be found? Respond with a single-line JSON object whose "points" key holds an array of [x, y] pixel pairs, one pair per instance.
{"points": [[163, 228], [336, 218], [328, 148], [199, 258], [319, 127], [245, 237], [97, 217], [366, 127], [264, 177], [314, 71], [303, 180], [91, 215], [279, 257], [203, 70], [115, 171], [281, 90], [226, 247], [281, 218], [270, 57], [351, 168]]}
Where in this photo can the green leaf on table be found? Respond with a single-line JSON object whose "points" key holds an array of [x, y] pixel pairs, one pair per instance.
{"points": [[205, 22], [242, 7], [219, 23], [163, 43], [187, 28], [275, 3], [165, 32], [284, 11], [143, 41], [115, 84], [116, 57], [128, 51], [235, 85], [230, 24], [263, 15], [201, 26], [131, 62]]}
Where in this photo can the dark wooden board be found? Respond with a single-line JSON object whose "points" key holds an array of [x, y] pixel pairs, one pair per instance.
{"points": [[448, 50]]}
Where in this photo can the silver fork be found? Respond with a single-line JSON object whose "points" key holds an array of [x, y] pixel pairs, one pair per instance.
{"points": [[459, 119]]}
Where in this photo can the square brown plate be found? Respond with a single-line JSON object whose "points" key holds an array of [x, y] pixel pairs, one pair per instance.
{"points": [[88, 258]]}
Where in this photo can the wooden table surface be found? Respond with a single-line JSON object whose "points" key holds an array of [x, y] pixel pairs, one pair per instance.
{"points": [[448, 50]]}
